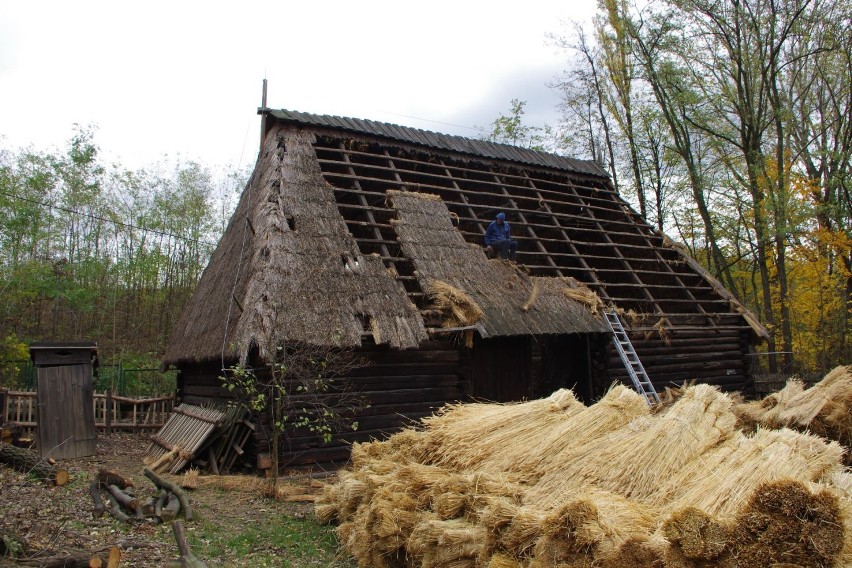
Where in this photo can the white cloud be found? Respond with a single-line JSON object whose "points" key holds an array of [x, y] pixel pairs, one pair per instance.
{"points": [[185, 77]]}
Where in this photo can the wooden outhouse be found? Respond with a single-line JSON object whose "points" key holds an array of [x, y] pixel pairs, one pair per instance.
{"points": [[66, 418]]}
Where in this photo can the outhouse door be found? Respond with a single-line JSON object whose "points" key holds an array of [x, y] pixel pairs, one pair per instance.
{"points": [[66, 417]]}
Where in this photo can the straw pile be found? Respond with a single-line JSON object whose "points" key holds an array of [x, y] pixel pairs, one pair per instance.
{"points": [[824, 409], [456, 307], [552, 483]]}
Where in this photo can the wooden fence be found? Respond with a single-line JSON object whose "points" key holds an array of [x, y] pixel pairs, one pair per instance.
{"points": [[111, 411]]}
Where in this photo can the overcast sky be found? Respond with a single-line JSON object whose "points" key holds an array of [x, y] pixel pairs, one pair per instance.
{"points": [[185, 78]]}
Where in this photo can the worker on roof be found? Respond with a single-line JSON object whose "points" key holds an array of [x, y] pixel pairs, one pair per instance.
{"points": [[498, 238]]}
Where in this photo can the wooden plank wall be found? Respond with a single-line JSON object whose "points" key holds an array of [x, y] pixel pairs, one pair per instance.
{"points": [[66, 424]]}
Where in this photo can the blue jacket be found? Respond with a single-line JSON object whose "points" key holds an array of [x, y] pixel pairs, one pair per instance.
{"points": [[497, 232]]}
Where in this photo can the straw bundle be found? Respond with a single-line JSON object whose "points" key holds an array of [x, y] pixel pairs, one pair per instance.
{"points": [[636, 459], [501, 560], [697, 535], [552, 448], [637, 552], [453, 543], [585, 296], [492, 437], [190, 479], [721, 481], [608, 485], [457, 308], [825, 408], [785, 523]]}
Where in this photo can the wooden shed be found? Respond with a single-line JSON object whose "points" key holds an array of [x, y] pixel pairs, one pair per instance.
{"points": [[66, 417], [345, 228]]}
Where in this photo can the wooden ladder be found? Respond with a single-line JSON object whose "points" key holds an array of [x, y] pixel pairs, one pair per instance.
{"points": [[631, 362]]}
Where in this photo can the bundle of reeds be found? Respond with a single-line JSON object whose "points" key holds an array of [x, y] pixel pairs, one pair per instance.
{"points": [[677, 488], [491, 437], [722, 480], [457, 308], [824, 409], [784, 523], [585, 296], [637, 458], [549, 449]]}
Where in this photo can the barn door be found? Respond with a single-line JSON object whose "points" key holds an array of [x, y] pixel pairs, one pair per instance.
{"points": [[501, 369]]}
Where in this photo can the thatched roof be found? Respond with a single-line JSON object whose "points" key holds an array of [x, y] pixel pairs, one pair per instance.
{"points": [[333, 242], [498, 287], [435, 140], [288, 269]]}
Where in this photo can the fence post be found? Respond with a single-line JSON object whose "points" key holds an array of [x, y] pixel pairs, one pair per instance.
{"points": [[108, 410]]}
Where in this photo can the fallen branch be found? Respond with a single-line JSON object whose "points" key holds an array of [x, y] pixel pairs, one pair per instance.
{"points": [[170, 511], [174, 488], [161, 502], [81, 559], [115, 510], [187, 558], [128, 501]]}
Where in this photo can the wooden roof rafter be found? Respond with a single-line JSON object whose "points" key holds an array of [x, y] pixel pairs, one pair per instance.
{"points": [[567, 225]]}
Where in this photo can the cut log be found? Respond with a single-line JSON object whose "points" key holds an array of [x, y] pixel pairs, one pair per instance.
{"points": [[187, 558], [115, 510], [99, 508], [126, 500], [170, 511], [162, 497], [109, 477], [80, 559], [30, 462], [174, 488], [114, 557], [148, 506]]}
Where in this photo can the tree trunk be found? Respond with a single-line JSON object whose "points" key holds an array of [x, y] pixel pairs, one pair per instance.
{"points": [[28, 461]]}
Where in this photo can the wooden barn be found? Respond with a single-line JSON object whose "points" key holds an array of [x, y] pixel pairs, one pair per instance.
{"points": [[347, 227]]}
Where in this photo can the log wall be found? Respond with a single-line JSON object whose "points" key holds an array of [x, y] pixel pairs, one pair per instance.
{"points": [[715, 356], [399, 388]]}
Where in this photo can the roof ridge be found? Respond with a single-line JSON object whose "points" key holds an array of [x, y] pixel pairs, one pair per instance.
{"points": [[438, 140]]}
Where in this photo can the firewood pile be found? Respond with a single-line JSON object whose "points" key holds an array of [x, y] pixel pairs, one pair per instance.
{"points": [[115, 494]]}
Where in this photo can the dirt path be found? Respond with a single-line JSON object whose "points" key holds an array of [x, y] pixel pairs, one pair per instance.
{"points": [[235, 525]]}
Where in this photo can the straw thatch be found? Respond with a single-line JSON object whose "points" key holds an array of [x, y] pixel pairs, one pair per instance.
{"points": [[287, 268], [501, 291], [525, 485], [456, 307], [824, 409]]}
